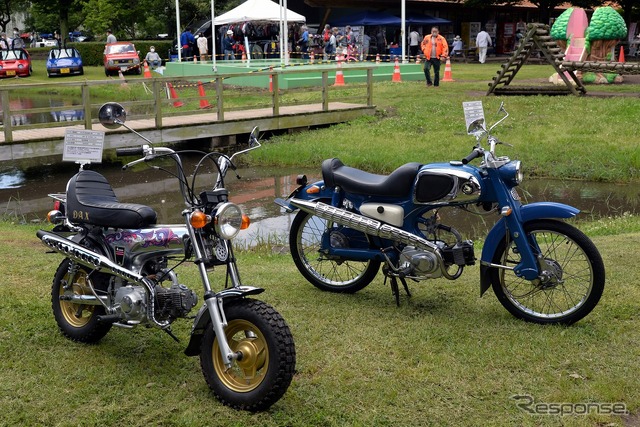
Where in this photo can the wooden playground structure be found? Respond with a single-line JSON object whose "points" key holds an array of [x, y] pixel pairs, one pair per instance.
{"points": [[565, 63]]}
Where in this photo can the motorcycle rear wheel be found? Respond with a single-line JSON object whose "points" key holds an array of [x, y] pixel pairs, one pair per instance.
{"points": [[78, 322], [576, 281], [333, 275], [263, 374]]}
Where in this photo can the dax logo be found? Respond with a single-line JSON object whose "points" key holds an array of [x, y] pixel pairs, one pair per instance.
{"points": [[80, 215]]}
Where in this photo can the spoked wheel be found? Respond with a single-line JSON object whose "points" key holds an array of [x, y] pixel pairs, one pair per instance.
{"points": [[329, 274], [572, 275], [78, 322], [264, 371]]}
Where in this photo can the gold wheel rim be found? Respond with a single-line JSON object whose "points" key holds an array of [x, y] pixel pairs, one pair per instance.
{"points": [[76, 315], [245, 374]]}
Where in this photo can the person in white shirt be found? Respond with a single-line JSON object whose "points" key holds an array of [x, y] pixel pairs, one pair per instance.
{"points": [[414, 43], [483, 41], [203, 46]]}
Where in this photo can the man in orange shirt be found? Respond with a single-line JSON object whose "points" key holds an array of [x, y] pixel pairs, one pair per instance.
{"points": [[435, 48]]}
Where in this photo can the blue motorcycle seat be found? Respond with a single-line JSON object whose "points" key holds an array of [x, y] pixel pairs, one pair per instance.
{"points": [[398, 183], [91, 200]]}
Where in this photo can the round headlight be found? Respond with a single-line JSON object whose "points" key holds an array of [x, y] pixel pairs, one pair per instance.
{"points": [[228, 220], [519, 174]]}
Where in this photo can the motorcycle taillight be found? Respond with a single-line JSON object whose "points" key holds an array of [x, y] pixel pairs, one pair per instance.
{"points": [[57, 205]]}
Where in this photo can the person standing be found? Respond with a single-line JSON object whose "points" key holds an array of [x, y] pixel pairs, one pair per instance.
{"points": [[381, 43], [434, 47], [4, 44], [366, 43], [303, 42], [227, 46], [483, 41], [203, 47], [110, 37], [187, 41], [457, 46], [414, 43]]}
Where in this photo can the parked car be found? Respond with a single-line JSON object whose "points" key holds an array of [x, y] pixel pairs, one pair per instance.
{"points": [[64, 62], [15, 62], [121, 56]]}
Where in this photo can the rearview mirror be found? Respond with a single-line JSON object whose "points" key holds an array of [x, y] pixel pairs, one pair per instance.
{"points": [[476, 127], [112, 115]]}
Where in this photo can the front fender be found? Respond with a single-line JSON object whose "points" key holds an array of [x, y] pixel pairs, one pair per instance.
{"points": [[203, 318], [527, 213]]}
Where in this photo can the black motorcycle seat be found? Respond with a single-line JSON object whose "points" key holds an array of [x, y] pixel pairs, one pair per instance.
{"points": [[91, 200], [356, 181]]}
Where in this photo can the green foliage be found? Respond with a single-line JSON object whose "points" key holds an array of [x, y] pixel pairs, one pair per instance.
{"points": [[606, 24], [559, 27]]}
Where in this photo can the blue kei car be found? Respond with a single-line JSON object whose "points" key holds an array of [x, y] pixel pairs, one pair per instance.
{"points": [[64, 62]]}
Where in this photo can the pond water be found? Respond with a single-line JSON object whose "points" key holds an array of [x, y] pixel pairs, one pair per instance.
{"points": [[23, 194], [17, 105]]}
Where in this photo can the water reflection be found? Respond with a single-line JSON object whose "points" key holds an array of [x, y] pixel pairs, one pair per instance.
{"points": [[17, 105], [25, 196]]}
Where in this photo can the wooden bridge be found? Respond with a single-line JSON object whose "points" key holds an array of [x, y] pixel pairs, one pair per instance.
{"points": [[227, 111]]}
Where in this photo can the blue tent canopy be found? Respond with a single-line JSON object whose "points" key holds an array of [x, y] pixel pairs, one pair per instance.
{"points": [[367, 17], [426, 20]]}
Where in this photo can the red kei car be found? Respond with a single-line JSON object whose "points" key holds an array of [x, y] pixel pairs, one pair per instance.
{"points": [[121, 56], [15, 62]]}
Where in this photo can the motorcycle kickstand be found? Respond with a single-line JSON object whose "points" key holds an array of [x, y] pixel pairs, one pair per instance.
{"points": [[395, 289]]}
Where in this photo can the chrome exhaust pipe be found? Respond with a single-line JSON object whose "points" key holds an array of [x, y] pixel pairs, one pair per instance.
{"points": [[366, 225], [98, 262]]}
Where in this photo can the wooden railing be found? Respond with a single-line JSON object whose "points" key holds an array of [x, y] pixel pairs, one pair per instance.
{"points": [[146, 98]]}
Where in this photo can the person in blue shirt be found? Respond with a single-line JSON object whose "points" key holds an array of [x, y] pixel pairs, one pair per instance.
{"points": [[303, 42], [187, 40]]}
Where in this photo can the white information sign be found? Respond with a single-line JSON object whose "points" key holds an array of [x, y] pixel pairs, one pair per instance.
{"points": [[83, 146], [472, 111]]}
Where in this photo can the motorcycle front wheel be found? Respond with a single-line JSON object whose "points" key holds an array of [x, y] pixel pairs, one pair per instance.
{"points": [[261, 376], [334, 275], [573, 279], [78, 322]]}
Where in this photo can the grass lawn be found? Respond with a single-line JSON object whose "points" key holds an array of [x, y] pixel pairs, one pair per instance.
{"points": [[444, 357]]}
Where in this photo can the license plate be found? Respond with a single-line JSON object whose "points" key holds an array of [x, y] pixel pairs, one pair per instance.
{"points": [[11, 73], [64, 71]]}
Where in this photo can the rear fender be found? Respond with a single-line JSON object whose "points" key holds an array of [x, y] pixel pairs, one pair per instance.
{"points": [[311, 192], [527, 213], [203, 318]]}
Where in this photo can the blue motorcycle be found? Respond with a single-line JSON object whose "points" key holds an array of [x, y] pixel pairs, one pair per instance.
{"points": [[542, 269]]}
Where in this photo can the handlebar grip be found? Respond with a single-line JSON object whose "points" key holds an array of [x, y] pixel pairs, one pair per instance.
{"points": [[473, 155], [133, 151]]}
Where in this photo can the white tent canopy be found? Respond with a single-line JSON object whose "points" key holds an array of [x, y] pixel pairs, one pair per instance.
{"points": [[257, 10]]}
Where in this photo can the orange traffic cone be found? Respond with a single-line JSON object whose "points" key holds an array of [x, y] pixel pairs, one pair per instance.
{"points": [[270, 80], [621, 57], [203, 100], [396, 72], [377, 58], [174, 95], [244, 56], [339, 76], [147, 71], [312, 57], [124, 82], [447, 72], [195, 59]]}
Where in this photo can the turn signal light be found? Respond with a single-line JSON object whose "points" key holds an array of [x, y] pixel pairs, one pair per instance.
{"points": [[246, 221], [54, 216], [506, 211], [199, 219], [314, 189]]}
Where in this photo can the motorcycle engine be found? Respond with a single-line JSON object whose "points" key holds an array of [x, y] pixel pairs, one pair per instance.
{"points": [[132, 302], [419, 262], [177, 301]]}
